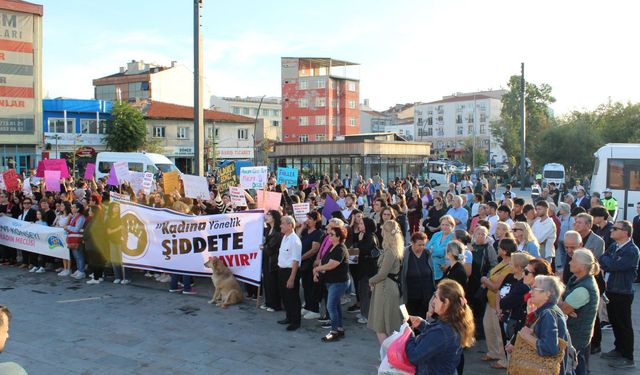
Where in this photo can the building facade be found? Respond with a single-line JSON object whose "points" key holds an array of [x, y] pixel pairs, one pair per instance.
{"points": [[374, 122], [144, 81], [20, 84], [270, 111], [227, 136], [320, 99], [448, 123]]}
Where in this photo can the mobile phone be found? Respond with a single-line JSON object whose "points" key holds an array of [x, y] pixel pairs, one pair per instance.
{"points": [[405, 313]]}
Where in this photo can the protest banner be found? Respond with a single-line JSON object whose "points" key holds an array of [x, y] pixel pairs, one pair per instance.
{"points": [[23, 235], [10, 178], [237, 196], [171, 182], [53, 165], [300, 211], [89, 171], [195, 187], [253, 177], [289, 176], [167, 241], [52, 181], [227, 177], [330, 206], [120, 198], [122, 170], [268, 200]]}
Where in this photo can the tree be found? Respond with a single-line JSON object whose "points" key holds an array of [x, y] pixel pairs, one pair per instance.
{"points": [[538, 118], [467, 156], [126, 129]]}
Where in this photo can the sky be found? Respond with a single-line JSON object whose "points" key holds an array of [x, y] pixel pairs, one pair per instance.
{"points": [[409, 51]]}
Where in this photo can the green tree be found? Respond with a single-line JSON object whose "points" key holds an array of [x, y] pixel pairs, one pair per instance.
{"points": [[506, 130], [467, 156], [126, 129]]}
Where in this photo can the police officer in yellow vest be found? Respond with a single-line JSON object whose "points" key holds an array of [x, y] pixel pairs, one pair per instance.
{"points": [[610, 203]]}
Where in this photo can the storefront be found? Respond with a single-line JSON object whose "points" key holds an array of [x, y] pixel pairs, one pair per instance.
{"points": [[367, 155]]}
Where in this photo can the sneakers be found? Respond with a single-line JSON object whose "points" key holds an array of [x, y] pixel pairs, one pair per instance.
{"points": [[303, 312], [326, 325], [344, 300], [611, 355], [176, 290], [125, 282], [324, 320], [311, 315], [263, 307], [78, 275], [354, 309], [622, 363], [164, 278], [93, 281], [117, 281], [34, 269], [64, 273], [362, 320], [190, 292], [41, 270], [606, 326], [148, 274], [269, 309], [75, 274]]}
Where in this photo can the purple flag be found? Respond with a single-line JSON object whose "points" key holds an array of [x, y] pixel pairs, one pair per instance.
{"points": [[330, 206], [89, 171], [113, 179]]}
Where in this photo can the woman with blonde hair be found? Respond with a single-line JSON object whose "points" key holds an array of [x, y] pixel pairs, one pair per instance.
{"points": [[384, 314], [503, 230], [527, 242], [438, 347]]}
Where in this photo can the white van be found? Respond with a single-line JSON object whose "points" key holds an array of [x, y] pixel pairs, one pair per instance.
{"points": [[437, 173], [617, 168], [553, 172], [138, 162]]}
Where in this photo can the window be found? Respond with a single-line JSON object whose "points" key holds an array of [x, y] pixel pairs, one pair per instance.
{"points": [[458, 119], [275, 112], [334, 103], [482, 129], [482, 106], [275, 123], [304, 84], [429, 120], [265, 112], [351, 86], [243, 134], [304, 138], [56, 125], [440, 119], [352, 104], [182, 133], [483, 117], [245, 111], [106, 92], [459, 107], [459, 130], [321, 83], [236, 110], [440, 144], [139, 90], [440, 109], [320, 137], [440, 132], [213, 132], [334, 121], [158, 132], [485, 142], [425, 132], [430, 111], [303, 103], [352, 121], [321, 120], [321, 102], [304, 121], [90, 126], [623, 174], [469, 118], [470, 129]]}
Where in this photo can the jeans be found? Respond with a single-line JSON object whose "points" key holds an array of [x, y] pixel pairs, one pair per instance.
{"points": [[583, 361], [186, 281], [116, 261], [78, 254], [336, 290]]}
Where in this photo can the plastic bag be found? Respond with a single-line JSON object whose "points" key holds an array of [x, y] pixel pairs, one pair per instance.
{"points": [[397, 355], [386, 369], [389, 340]]}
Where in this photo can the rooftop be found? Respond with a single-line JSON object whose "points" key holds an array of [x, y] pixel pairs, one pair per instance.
{"points": [[323, 62], [466, 98], [21, 6], [168, 111]]}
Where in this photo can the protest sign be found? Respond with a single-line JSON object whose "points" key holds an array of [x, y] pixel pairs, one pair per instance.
{"points": [[89, 171], [23, 235], [122, 170], [330, 206], [52, 181], [171, 182], [268, 200], [147, 182], [26, 187], [166, 241], [227, 177], [253, 177], [11, 182], [113, 179], [53, 165], [195, 187], [289, 176], [117, 197], [300, 211], [237, 196]]}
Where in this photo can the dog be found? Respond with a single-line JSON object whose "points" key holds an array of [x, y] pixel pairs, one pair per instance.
{"points": [[227, 290]]}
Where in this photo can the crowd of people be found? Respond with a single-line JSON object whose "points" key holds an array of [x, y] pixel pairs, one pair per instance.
{"points": [[467, 264]]}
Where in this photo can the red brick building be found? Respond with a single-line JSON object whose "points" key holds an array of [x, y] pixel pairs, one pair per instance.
{"points": [[320, 99]]}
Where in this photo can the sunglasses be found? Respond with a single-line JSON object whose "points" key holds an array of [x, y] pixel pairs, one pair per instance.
{"points": [[527, 272]]}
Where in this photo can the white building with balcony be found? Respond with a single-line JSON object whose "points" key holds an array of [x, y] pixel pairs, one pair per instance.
{"points": [[270, 111]]}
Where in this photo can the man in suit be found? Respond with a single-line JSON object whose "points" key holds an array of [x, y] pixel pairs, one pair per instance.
{"points": [[620, 264], [636, 233], [582, 199]]}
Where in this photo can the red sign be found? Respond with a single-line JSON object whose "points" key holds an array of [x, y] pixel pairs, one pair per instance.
{"points": [[86, 151], [45, 155], [11, 180]]}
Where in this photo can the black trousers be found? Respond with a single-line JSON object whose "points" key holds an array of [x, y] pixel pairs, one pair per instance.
{"points": [[619, 309], [290, 297], [95, 261], [310, 303], [270, 285]]}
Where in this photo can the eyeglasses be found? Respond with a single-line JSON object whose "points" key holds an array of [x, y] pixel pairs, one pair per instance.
{"points": [[616, 228], [527, 272], [539, 290]]}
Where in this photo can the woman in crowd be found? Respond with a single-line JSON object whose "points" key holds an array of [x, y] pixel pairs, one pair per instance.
{"points": [[174, 286], [502, 231], [490, 322], [367, 245], [432, 222], [455, 263], [75, 229], [484, 258], [414, 210], [549, 325], [437, 245], [62, 219], [311, 236], [115, 234], [427, 200], [417, 276], [510, 305], [527, 242], [270, 250], [386, 214], [448, 329], [566, 223], [334, 271], [384, 314], [37, 259]]}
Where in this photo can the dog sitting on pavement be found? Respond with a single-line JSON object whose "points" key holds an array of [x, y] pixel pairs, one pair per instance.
{"points": [[227, 290]]}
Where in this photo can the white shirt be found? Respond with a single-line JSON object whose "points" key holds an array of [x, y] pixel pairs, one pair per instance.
{"points": [[474, 209], [493, 221], [509, 223], [545, 231], [290, 250], [347, 213]]}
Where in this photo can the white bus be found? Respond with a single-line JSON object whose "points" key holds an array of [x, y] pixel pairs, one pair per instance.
{"points": [[617, 168], [553, 172], [437, 173]]}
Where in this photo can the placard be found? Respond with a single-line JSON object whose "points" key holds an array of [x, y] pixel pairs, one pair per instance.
{"points": [[195, 187], [300, 211], [11, 182], [269, 200], [52, 181], [122, 170], [289, 176], [56, 165], [253, 177], [147, 182], [227, 177], [89, 171], [113, 179], [237, 196], [171, 182]]}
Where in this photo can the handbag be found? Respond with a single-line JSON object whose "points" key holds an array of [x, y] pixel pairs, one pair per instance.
{"points": [[525, 359]]}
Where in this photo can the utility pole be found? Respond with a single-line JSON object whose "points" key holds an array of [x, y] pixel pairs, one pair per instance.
{"points": [[198, 111], [523, 131]]}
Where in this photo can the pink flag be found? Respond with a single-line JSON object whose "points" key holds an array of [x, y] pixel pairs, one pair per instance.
{"points": [[89, 171]]}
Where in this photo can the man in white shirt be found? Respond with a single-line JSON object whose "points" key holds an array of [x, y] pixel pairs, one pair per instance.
{"points": [[545, 231], [349, 205], [288, 281], [492, 217], [504, 215]]}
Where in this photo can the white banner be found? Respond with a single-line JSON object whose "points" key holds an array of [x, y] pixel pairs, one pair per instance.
{"points": [[51, 241], [167, 241], [253, 177], [195, 187]]}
